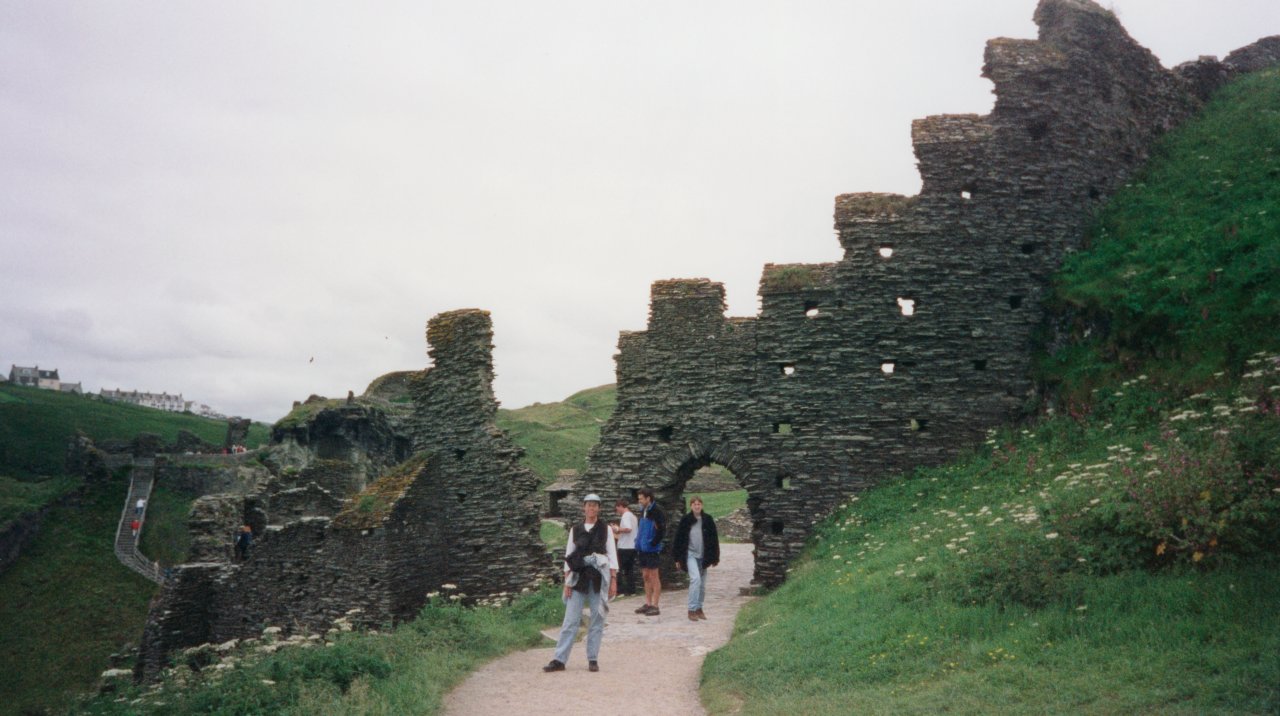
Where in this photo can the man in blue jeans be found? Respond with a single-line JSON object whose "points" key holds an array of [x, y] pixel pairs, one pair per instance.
{"points": [[696, 549], [590, 579]]}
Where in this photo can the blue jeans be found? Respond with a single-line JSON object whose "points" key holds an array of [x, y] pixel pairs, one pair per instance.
{"points": [[697, 583], [573, 617]]}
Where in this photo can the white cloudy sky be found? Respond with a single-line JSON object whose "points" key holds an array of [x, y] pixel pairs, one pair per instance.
{"points": [[204, 197]]}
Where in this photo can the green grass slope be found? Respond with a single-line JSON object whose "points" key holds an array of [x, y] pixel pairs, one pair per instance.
{"points": [[36, 424], [558, 436], [1118, 556], [67, 604], [407, 670]]}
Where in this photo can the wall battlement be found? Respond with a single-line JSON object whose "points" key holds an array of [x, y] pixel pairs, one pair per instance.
{"points": [[918, 340]]}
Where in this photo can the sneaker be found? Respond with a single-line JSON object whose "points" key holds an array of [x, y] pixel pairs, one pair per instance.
{"points": [[593, 666], [653, 612], [643, 609], [553, 666], [693, 616], [701, 615]]}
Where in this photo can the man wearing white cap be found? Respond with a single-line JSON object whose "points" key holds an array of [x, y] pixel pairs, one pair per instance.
{"points": [[590, 571]]}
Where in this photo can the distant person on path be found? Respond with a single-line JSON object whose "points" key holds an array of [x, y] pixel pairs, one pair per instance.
{"points": [[244, 540], [697, 548], [625, 531], [590, 573], [652, 526], [139, 507], [136, 526]]}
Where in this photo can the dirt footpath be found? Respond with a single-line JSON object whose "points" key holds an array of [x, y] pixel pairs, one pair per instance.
{"points": [[653, 661]]}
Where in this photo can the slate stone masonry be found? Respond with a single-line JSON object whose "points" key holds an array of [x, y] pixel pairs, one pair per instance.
{"points": [[918, 340], [462, 510]]}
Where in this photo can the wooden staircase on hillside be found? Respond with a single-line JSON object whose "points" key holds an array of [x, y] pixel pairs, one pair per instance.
{"points": [[142, 477]]}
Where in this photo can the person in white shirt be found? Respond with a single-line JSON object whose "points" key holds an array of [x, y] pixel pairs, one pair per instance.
{"points": [[625, 532], [590, 573]]}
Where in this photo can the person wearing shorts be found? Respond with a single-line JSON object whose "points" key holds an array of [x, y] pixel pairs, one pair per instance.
{"points": [[649, 533]]}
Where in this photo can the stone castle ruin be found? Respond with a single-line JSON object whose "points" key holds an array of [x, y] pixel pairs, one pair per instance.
{"points": [[374, 502], [919, 339], [896, 356]]}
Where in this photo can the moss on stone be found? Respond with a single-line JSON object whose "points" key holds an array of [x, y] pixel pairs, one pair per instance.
{"points": [[374, 504]]}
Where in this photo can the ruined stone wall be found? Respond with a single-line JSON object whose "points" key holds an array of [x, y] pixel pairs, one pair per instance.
{"points": [[211, 474], [918, 339], [492, 534], [462, 510]]}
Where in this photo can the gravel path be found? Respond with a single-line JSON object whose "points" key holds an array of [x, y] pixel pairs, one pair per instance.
{"points": [[653, 661]]}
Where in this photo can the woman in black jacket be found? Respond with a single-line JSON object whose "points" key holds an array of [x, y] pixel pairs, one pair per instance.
{"points": [[697, 547]]}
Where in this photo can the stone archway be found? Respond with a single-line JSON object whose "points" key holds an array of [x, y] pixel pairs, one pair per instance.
{"points": [[677, 471]]}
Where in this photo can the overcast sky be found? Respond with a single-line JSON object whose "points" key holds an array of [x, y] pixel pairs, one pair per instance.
{"points": [[251, 202]]}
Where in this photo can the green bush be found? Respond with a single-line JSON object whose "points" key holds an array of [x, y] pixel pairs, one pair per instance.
{"points": [[1019, 567]]}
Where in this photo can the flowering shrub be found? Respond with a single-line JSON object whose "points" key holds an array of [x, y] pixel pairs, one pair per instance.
{"points": [[1023, 566], [1201, 505]]}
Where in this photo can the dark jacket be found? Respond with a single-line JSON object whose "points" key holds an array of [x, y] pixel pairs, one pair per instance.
{"points": [[587, 542], [710, 540]]}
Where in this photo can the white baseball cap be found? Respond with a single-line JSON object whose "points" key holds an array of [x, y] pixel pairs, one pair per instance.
{"points": [[593, 497]]}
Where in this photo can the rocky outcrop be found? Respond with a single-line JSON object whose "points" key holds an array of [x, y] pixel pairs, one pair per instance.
{"points": [[1261, 55]]}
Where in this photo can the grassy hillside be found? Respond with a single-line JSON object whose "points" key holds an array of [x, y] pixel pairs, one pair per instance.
{"points": [[1120, 553], [67, 604], [36, 424], [558, 436]]}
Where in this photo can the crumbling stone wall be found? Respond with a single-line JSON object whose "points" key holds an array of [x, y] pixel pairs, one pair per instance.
{"points": [[211, 474], [462, 510], [917, 340]]}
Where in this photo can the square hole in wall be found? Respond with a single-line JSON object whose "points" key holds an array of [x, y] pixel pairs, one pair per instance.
{"points": [[782, 428], [980, 364], [886, 252], [887, 366], [776, 527], [665, 432], [1015, 302], [908, 306], [1029, 248], [919, 425], [782, 482], [788, 369], [811, 309]]}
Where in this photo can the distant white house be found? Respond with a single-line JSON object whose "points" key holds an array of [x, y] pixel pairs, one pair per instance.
{"points": [[35, 377], [159, 401]]}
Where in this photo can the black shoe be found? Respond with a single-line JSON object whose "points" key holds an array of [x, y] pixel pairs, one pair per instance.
{"points": [[643, 609], [591, 666], [553, 666], [653, 612]]}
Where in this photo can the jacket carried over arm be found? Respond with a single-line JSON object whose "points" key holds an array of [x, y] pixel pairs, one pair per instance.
{"points": [[710, 540]]}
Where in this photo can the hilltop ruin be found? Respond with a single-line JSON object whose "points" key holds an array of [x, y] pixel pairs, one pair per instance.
{"points": [[919, 339]]}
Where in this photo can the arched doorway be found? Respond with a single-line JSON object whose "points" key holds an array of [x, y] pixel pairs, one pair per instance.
{"points": [[722, 482]]}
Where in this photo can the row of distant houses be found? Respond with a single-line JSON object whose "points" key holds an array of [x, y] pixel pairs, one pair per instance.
{"points": [[37, 377]]}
